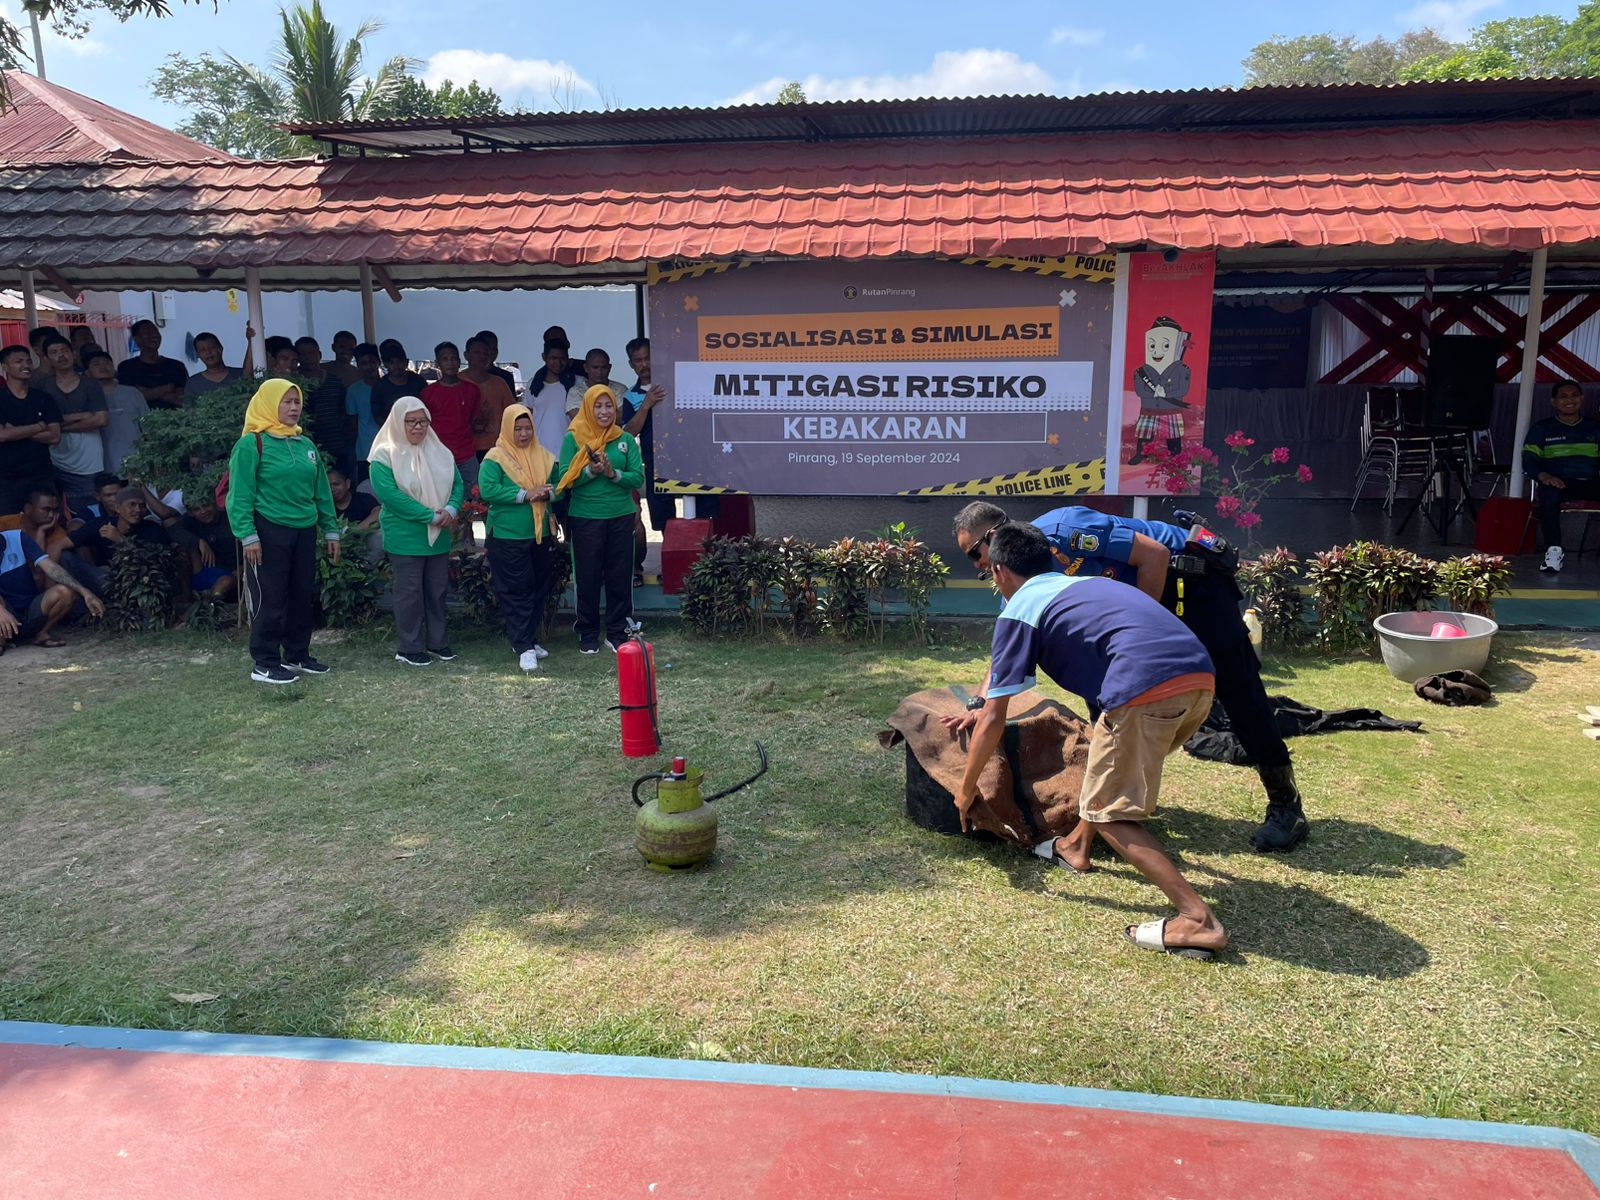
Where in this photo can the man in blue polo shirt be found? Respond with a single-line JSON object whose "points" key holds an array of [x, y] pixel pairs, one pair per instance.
{"points": [[1148, 684], [1190, 580], [36, 594]]}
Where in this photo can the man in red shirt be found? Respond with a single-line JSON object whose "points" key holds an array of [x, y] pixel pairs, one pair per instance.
{"points": [[453, 404], [496, 396]]}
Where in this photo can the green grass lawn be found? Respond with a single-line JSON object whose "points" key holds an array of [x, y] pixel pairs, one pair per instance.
{"points": [[447, 856]]}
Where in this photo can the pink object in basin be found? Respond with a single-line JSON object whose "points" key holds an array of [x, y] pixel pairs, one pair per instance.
{"points": [[1443, 629]]}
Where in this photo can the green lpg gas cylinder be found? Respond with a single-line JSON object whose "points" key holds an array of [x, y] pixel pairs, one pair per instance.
{"points": [[676, 831]]}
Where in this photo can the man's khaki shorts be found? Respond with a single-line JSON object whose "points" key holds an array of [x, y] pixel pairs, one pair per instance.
{"points": [[1127, 749]]}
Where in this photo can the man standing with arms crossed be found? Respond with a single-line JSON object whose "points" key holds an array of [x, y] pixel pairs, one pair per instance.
{"points": [[1188, 580]]}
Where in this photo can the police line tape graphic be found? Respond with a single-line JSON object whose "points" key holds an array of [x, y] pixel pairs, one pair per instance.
{"points": [[679, 488], [1096, 268], [677, 274], [1067, 479]]}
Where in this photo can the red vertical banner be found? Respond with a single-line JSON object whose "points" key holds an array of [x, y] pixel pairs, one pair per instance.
{"points": [[1165, 359]]}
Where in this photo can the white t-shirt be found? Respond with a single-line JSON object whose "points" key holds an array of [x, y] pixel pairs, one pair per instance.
{"points": [[575, 396]]}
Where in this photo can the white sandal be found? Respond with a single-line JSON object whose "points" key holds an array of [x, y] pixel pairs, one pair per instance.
{"points": [[1152, 935]]}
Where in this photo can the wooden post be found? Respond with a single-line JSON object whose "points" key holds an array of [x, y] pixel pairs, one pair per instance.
{"points": [[369, 320], [1530, 364], [256, 317], [30, 302]]}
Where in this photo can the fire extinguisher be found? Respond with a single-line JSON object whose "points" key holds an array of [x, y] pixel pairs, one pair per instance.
{"points": [[636, 691]]}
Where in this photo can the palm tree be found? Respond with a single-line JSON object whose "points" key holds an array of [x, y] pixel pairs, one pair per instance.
{"points": [[316, 78]]}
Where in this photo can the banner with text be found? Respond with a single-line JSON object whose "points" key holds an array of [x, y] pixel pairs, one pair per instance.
{"points": [[1166, 356], [915, 377]]}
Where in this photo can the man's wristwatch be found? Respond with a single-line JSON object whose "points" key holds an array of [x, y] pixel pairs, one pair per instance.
{"points": [[974, 703]]}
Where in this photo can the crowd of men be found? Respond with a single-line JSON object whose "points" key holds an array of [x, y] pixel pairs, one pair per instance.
{"points": [[70, 415]]}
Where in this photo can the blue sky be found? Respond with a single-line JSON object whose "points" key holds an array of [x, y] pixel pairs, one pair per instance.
{"points": [[626, 55]]}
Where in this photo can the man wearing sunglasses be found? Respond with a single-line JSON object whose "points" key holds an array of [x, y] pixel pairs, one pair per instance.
{"points": [[1195, 583]]}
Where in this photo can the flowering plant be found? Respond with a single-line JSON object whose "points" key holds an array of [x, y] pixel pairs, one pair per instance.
{"points": [[473, 508], [1238, 486]]}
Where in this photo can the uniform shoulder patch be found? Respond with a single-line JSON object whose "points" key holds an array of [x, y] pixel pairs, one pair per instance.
{"points": [[1087, 543]]}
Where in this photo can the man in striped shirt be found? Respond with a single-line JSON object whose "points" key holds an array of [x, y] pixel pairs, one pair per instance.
{"points": [[1563, 453]]}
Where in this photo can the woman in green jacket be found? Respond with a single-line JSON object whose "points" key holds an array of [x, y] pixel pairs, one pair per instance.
{"points": [[278, 498], [415, 479], [601, 470], [514, 483]]}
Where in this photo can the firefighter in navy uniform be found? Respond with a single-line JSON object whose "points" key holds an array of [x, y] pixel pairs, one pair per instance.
{"points": [[1194, 579]]}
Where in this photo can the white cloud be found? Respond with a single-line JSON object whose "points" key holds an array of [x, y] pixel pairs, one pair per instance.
{"points": [[54, 43], [1137, 51], [1452, 18], [952, 73], [86, 47], [1073, 35], [505, 74]]}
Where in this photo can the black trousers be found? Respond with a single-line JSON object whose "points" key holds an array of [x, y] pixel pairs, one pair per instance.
{"points": [[282, 591], [1550, 500], [602, 557], [522, 570], [1211, 611]]}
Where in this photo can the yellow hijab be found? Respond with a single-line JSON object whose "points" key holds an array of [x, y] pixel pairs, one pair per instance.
{"points": [[262, 414], [528, 466], [586, 431]]}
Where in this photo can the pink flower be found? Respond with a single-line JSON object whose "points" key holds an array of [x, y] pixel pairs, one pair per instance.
{"points": [[1201, 454], [1246, 519], [1303, 473], [1156, 452], [1176, 484], [1227, 506], [1224, 481], [1281, 454], [1238, 441]]}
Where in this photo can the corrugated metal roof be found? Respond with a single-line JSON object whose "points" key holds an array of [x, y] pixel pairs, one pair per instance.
{"points": [[1197, 109], [479, 219], [46, 123]]}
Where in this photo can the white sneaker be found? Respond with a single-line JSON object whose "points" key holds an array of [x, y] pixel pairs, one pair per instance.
{"points": [[529, 660], [1554, 559], [541, 652]]}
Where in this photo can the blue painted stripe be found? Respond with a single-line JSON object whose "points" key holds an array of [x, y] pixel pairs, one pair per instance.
{"points": [[1583, 1149]]}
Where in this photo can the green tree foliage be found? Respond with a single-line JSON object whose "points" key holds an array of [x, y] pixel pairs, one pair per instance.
{"points": [[413, 100], [1326, 58], [791, 93], [224, 110], [1519, 47], [70, 19], [1516, 47], [321, 72], [315, 75]]}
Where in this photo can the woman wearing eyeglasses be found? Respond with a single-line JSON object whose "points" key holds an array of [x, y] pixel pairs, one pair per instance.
{"points": [[415, 479]]}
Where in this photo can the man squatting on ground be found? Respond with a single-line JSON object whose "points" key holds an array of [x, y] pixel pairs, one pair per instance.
{"points": [[1188, 580], [1149, 684]]}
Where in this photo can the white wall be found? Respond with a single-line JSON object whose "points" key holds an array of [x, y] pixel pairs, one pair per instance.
{"points": [[592, 317]]}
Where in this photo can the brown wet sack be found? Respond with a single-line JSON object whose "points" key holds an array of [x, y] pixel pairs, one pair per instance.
{"points": [[1028, 791], [1455, 688]]}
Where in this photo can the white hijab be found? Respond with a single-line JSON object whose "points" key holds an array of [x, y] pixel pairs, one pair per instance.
{"points": [[426, 473]]}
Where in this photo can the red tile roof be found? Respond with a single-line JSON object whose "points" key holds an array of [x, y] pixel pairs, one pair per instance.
{"points": [[46, 123], [1494, 187]]}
